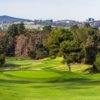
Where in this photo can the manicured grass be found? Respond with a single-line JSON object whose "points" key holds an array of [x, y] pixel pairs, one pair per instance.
{"points": [[48, 83], [47, 64], [27, 63]]}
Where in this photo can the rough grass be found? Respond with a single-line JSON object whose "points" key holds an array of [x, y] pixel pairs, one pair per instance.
{"points": [[49, 83]]}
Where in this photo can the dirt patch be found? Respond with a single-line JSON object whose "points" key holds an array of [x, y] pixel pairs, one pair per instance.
{"points": [[16, 69]]}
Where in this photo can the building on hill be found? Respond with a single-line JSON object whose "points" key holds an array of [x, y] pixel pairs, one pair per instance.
{"points": [[28, 25]]}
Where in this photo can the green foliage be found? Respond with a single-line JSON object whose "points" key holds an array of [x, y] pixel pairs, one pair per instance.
{"points": [[47, 29], [97, 62], [2, 58], [62, 42], [12, 30], [32, 54], [7, 45], [72, 51], [38, 52], [90, 38], [41, 53], [16, 29], [56, 38], [76, 44], [21, 28], [87, 24], [74, 27]]}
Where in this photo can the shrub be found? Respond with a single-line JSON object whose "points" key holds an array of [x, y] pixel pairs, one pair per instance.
{"points": [[2, 58], [39, 53], [32, 54], [97, 62]]}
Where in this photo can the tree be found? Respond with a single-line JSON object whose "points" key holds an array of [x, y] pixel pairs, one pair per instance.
{"points": [[7, 45], [72, 52], [97, 62], [90, 38], [21, 28], [47, 29], [32, 54], [62, 42], [16, 29], [86, 24], [38, 52], [2, 58], [12, 30]]}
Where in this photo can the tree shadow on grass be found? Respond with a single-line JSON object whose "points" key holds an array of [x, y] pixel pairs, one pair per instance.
{"points": [[75, 80], [55, 80], [70, 84], [10, 65], [70, 81], [65, 84], [64, 87], [4, 81]]}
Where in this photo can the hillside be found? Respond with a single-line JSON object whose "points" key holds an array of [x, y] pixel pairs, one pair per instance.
{"points": [[6, 18]]}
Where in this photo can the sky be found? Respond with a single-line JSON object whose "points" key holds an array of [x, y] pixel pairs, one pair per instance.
{"points": [[51, 9]]}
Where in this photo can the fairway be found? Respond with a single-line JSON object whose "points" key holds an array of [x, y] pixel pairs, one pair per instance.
{"points": [[47, 79]]}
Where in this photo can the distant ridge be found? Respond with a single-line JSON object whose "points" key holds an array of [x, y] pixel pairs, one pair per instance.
{"points": [[7, 19]]}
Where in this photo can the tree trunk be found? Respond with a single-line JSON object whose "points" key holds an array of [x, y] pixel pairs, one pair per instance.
{"points": [[68, 64], [94, 68], [69, 67]]}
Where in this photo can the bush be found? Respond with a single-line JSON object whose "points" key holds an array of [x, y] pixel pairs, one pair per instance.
{"points": [[39, 53], [2, 58], [97, 62], [32, 54]]}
